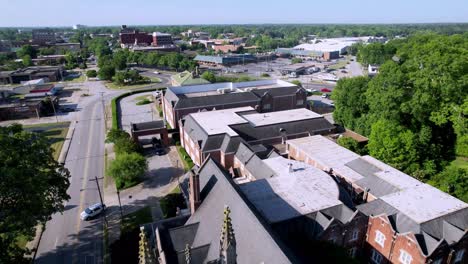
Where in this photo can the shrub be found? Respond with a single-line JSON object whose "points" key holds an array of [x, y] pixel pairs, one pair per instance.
{"points": [[125, 145], [170, 203], [144, 102], [127, 169], [265, 75], [115, 134], [91, 73]]}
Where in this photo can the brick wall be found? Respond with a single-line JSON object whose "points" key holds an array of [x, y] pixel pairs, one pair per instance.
{"points": [[380, 224]]}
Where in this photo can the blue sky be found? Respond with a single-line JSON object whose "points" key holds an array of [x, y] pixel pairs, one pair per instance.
{"points": [[169, 12]]}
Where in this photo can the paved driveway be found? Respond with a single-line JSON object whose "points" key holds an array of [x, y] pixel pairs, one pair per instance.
{"points": [[132, 113]]}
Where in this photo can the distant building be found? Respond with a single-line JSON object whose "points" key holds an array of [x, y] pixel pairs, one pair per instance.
{"points": [[133, 37], [218, 60], [226, 48], [264, 96], [162, 39], [43, 36], [49, 73], [78, 26]]}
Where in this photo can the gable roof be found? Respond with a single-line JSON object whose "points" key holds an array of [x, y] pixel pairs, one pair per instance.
{"points": [[255, 242]]}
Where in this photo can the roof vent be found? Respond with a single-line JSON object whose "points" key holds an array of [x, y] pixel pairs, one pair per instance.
{"points": [[290, 168]]}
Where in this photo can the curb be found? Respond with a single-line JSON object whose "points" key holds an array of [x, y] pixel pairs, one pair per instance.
{"points": [[66, 144]]}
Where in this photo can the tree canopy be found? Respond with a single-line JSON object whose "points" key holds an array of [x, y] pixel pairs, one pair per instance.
{"points": [[32, 187], [414, 110]]}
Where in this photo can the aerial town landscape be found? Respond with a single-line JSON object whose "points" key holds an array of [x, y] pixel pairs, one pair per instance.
{"points": [[187, 133]]}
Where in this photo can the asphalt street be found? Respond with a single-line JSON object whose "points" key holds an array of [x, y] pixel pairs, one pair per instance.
{"points": [[66, 238]]}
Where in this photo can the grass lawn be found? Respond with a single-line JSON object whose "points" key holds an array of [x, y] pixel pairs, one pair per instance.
{"points": [[134, 220], [81, 78], [55, 132], [114, 86], [338, 65], [461, 162], [142, 97], [155, 80]]}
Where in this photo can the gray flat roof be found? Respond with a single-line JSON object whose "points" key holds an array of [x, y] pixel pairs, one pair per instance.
{"points": [[303, 191], [420, 202], [218, 122], [264, 119]]}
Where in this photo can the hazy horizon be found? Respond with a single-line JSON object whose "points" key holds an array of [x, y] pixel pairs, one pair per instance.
{"points": [[54, 13]]}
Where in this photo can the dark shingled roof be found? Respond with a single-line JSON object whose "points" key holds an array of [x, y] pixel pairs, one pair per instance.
{"points": [[255, 242], [376, 185], [253, 163], [214, 100]]}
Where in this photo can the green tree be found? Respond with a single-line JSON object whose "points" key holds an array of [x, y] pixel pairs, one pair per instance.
{"points": [[296, 60], [395, 145], [352, 145], [454, 181], [27, 61], [209, 76], [26, 50], [47, 51], [127, 169], [91, 73], [106, 72], [297, 82], [120, 59], [351, 107], [32, 187]]}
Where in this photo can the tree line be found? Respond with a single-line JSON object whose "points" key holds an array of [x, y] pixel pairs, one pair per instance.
{"points": [[414, 111]]}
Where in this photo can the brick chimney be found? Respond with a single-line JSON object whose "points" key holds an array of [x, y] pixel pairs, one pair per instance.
{"points": [[194, 186]]}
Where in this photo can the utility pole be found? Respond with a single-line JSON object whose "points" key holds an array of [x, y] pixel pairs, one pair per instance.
{"points": [[53, 107], [103, 106], [100, 196], [120, 205]]}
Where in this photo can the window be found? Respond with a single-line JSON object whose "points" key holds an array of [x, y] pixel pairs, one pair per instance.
{"points": [[459, 255], [300, 102], [405, 257], [380, 238], [352, 252], [355, 235], [267, 106], [376, 257]]}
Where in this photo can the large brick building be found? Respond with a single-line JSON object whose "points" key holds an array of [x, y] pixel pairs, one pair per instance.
{"points": [[264, 96], [219, 133], [409, 221]]}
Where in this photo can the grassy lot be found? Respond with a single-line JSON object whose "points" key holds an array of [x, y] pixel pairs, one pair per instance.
{"points": [[155, 80], [81, 78], [55, 132], [114, 86], [461, 162], [338, 65], [188, 163]]}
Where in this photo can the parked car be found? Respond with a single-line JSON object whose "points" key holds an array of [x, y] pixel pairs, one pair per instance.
{"points": [[156, 72], [324, 95], [92, 211], [160, 151]]}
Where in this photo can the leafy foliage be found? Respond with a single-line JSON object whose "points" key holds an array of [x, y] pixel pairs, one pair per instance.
{"points": [[414, 110], [91, 73], [127, 169], [32, 187]]}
